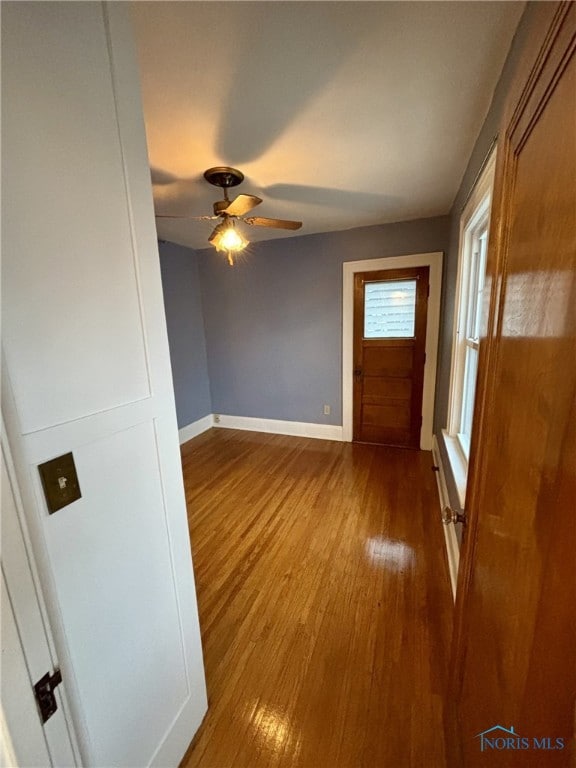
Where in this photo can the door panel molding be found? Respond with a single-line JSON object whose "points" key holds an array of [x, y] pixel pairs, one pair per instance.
{"points": [[433, 260]]}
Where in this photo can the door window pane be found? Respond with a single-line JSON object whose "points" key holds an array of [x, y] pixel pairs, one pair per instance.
{"points": [[389, 309]]}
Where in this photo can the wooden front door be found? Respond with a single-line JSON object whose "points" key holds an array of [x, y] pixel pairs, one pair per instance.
{"points": [[390, 310], [515, 633]]}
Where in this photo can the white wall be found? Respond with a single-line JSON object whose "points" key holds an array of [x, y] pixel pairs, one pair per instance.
{"points": [[87, 370]]}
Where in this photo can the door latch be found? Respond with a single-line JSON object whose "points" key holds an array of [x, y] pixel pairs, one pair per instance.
{"points": [[44, 692]]}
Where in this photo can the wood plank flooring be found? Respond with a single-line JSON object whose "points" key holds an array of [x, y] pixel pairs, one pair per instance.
{"points": [[324, 601]]}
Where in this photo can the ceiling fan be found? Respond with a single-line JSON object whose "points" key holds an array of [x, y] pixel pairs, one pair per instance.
{"points": [[226, 236]]}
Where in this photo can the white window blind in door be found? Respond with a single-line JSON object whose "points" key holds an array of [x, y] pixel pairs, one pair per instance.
{"points": [[389, 309]]}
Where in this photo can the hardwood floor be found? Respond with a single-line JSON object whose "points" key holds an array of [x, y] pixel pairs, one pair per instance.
{"points": [[324, 600]]}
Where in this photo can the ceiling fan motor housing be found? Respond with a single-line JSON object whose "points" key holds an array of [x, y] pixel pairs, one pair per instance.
{"points": [[224, 176], [220, 206]]}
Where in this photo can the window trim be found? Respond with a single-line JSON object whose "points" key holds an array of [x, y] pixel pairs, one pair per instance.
{"points": [[475, 213]]}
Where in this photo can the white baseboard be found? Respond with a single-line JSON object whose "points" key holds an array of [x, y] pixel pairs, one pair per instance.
{"points": [[279, 427], [196, 428], [250, 424], [452, 546]]}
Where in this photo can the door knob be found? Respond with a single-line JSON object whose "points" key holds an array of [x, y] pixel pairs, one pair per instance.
{"points": [[357, 371], [450, 516]]}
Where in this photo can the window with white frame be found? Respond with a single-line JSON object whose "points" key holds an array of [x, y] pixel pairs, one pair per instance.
{"points": [[474, 225]]}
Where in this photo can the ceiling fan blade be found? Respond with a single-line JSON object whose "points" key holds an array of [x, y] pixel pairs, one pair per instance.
{"points": [[242, 204], [190, 218], [260, 221]]}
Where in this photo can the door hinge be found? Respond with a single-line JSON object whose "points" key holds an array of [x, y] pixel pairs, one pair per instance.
{"points": [[450, 516], [44, 692]]}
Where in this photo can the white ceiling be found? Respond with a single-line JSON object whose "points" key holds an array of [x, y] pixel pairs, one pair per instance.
{"points": [[340, 114]]}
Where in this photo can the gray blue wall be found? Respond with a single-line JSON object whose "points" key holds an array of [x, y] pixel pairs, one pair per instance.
{"points": [[274, 322], [182, 300]]}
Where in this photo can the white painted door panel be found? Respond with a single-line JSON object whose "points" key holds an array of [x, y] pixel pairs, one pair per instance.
{"points": [[87, 370]]}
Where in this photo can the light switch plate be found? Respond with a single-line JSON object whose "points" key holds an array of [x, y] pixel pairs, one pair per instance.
{"points": [[60, 482]]}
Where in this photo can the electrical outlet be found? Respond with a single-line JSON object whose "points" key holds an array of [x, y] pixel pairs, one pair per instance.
{"points": [[216, 418], [326, 410]]}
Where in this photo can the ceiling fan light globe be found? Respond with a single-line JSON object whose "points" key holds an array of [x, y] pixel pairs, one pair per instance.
{"points": [[230, 240]]}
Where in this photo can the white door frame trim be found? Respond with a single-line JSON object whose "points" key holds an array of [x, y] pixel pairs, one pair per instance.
{"points": [[21, 577], [434, 262]]}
